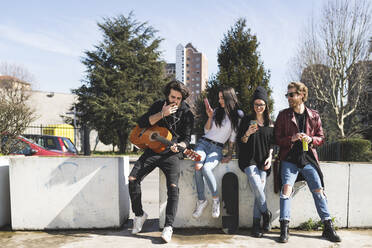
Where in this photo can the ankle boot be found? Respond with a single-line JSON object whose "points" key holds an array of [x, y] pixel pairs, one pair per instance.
{"points": [[284, 232], [329, 232], [256, 228], [266, 225]]}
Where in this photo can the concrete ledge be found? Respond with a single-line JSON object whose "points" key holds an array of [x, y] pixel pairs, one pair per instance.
{"points": [[4, 192], [69, 193], [360, 196], [303, 207]]}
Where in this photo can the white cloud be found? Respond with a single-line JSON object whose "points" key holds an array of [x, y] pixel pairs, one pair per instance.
{"points": [[50, 42]]}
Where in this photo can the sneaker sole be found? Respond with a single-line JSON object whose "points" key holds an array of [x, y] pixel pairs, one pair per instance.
{"points": [[166, 241], [196, 217]]}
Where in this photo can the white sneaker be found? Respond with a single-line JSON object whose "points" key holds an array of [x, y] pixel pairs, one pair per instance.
{"points": [[166, 235], [216, 208], [200, 205], [138, 223]]}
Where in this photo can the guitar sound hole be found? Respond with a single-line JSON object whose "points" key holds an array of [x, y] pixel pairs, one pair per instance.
{"points": [[154, 136]]}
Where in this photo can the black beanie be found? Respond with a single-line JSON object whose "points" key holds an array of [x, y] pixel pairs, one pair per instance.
{"points": [[260, 93]]}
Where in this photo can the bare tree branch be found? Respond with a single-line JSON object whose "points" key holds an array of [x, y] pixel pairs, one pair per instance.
{"points": [[338, 42], [16, 71], [15, 114]]}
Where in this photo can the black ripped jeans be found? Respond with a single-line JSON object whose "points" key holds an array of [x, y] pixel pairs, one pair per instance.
{"points": [[169, 163]]}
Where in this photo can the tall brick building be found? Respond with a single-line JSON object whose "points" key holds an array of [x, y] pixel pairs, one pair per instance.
{"points": [[191, 69]]}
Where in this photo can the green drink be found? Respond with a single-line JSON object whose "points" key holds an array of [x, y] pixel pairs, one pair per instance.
{"points": [[305, 145]]}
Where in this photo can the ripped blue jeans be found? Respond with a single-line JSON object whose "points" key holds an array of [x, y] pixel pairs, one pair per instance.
{"points": [[211, 155], [289, 174], [257, 182]]}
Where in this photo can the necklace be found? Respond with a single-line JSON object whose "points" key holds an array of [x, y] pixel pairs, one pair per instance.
{"points": [[173, 123]]}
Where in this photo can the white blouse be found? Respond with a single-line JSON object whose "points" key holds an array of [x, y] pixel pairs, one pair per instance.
{"points": [[224, 132]]}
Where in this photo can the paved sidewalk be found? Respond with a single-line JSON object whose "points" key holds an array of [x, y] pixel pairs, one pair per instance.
{"points": [[150, 237]]}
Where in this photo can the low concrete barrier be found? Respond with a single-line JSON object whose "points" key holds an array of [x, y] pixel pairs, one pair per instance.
{"points": [[360, 197], [4, 192], [336, 177], [69, 193]]}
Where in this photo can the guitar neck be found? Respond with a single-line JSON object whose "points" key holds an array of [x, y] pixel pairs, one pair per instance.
{"points": [[163, 140], [188, 152]]}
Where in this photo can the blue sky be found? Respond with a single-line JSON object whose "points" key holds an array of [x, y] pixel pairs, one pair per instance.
{"points": [[48, 38]]}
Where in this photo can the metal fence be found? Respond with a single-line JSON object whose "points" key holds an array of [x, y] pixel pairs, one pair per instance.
{"points": [[330, 152]]}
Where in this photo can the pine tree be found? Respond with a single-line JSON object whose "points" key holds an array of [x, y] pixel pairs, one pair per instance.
{"points": [[240, 66], [124, 77]]}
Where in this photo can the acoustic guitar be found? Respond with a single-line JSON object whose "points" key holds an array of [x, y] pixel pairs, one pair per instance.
{"points": [[157, 139]]}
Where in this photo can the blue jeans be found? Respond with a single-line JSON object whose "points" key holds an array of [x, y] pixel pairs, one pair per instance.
{"points": [[289, 174], [211, 155], [257, 182]]}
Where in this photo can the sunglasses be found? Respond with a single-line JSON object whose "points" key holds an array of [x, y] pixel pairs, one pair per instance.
{"points": [[259, 105], [291, 94]]}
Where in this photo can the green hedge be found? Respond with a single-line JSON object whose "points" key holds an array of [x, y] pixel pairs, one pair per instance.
{"points": [[355, 150]]}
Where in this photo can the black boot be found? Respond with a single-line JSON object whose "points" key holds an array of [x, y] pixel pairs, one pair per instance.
{"points": [[284, 232], [329, 232], [266, 225], [256, 228]]}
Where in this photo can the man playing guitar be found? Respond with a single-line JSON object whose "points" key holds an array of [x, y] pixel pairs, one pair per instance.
{"points": [[175, 115]]}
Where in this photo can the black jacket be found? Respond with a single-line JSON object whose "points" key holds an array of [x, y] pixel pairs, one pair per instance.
{"points": [[256, 150], [180, 124]]}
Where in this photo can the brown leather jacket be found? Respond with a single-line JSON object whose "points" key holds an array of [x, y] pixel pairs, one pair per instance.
{"points": [[286, 126]]}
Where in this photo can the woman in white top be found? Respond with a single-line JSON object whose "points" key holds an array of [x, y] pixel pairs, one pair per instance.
{"points": [[221, 126]]}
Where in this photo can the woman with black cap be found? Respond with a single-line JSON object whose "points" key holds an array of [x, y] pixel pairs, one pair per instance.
{"points": [[255, 139]]}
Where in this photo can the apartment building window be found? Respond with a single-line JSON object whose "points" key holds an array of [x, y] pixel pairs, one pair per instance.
{"points": [[187, 78], [188, 71], [197, 92], [187, 65], [197, 72], [193, 79], [197, 66], [188, 58], [197, 85], [197, 58]]}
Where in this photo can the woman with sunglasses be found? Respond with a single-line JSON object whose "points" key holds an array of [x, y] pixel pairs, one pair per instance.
{"points": [[256, 138], [221, 126]]}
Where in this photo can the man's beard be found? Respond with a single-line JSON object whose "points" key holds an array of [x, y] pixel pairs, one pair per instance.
{"points": [[293, 103]]}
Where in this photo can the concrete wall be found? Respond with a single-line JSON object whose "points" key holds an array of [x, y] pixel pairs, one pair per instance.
{"points": [[336, 177], [68, 193], [360, 197], [4, 192]]}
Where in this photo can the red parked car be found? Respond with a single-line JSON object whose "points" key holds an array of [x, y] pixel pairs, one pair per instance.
{"points": [[24, 146], [53, 143]]}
